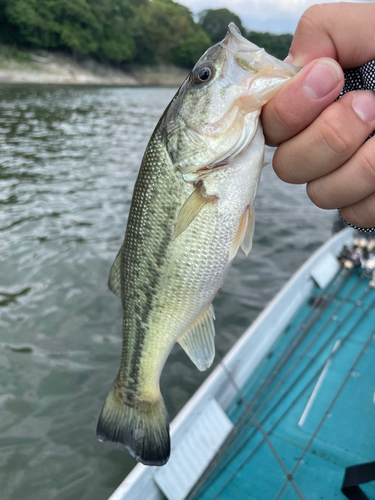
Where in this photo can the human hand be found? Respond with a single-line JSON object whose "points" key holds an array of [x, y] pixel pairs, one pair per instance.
{"points": [[321, 142]]}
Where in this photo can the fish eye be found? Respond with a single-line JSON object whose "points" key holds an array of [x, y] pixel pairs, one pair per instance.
{"points": [[203, 74]]}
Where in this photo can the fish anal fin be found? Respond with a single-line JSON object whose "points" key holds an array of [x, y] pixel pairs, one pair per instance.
{"points": [[247, 243], [240, 234], [190, 209], [198, 341], [114, 280]]}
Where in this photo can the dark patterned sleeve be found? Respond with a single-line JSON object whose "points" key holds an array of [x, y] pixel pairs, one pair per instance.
{"points": [[362, 78]]}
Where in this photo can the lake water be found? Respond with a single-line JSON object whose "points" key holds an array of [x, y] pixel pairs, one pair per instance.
{"points": [[69, 157]]}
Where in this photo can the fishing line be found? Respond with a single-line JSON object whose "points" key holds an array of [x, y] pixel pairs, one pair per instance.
{"points": [[314, 339], [297, 362], [289, 476], [316, 375], [244, 428], [298, 337], [328, 411], [310, 319]]}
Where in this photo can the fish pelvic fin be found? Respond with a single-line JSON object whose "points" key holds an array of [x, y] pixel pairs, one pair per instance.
{"points": [[114, 280], [198, 341], [240, 234], [247, 243], [141, 426], [244, 234]]}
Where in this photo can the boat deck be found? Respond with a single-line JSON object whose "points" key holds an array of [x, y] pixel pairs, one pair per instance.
{"points": [[308, 410]]}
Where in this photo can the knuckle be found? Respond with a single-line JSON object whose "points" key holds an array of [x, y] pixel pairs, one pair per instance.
{"points": [[288, 120], [336, 136], [313, 18], [367, 166], [283, 169], [317, 195]]}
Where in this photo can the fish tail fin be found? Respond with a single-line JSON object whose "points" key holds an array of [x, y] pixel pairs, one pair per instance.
{"points": [[141, 426]]}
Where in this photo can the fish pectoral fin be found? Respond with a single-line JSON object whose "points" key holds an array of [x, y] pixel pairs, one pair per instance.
{"points": [[240, 234], [190, 209], [198, 341], [247, 243], [114, 280]]}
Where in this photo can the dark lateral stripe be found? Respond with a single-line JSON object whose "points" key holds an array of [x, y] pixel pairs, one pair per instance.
{"points": [[151, 294], [140, 290]]}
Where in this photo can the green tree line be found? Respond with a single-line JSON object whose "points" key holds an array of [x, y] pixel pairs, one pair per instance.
{"points": [[123, 31]]}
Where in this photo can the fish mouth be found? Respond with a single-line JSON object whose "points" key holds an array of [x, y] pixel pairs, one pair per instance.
{"points": [[241, 52], [235, 32], [246, 64]]}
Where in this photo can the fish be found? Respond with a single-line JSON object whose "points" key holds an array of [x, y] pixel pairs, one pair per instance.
{"points": [[192, 209]]}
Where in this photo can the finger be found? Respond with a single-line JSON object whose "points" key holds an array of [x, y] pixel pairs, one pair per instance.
{"points": [[348, 184], [329, 141], [343, 31], [361, 214], [301, 100]]}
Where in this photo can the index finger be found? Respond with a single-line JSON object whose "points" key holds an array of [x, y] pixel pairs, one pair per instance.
{"points": [[343, 31]]}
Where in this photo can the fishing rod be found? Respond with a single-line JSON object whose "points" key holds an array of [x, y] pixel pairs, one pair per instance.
{"points": [[326, 297], [296, 399], [328, 411], [233, 439]]}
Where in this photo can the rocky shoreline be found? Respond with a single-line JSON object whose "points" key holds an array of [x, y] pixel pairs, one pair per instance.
{"points": [[47, 68]]}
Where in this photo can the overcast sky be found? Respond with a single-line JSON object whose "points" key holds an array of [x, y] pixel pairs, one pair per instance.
{"points": [[275, 16]]}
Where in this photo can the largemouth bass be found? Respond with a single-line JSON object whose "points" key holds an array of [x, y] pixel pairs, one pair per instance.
{"points": [[192, 209]]}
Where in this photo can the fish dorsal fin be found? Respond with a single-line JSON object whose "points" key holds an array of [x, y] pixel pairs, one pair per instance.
{"points": [[190, 209], [240, 234], [198, 341], [114, 280], [247, 243]]}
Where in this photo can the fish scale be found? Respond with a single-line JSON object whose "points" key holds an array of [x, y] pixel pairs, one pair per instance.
{"points": [[192, 208]]}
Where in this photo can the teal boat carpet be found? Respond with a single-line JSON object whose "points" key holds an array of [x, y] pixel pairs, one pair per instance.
{"points": [[313, 402]]}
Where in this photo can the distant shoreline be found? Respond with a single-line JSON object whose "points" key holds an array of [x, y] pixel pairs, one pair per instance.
{"points": [[61, 69], [148, 80]]}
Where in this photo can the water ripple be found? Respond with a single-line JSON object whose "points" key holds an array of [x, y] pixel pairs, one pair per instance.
{"points": [[69, 160]]}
